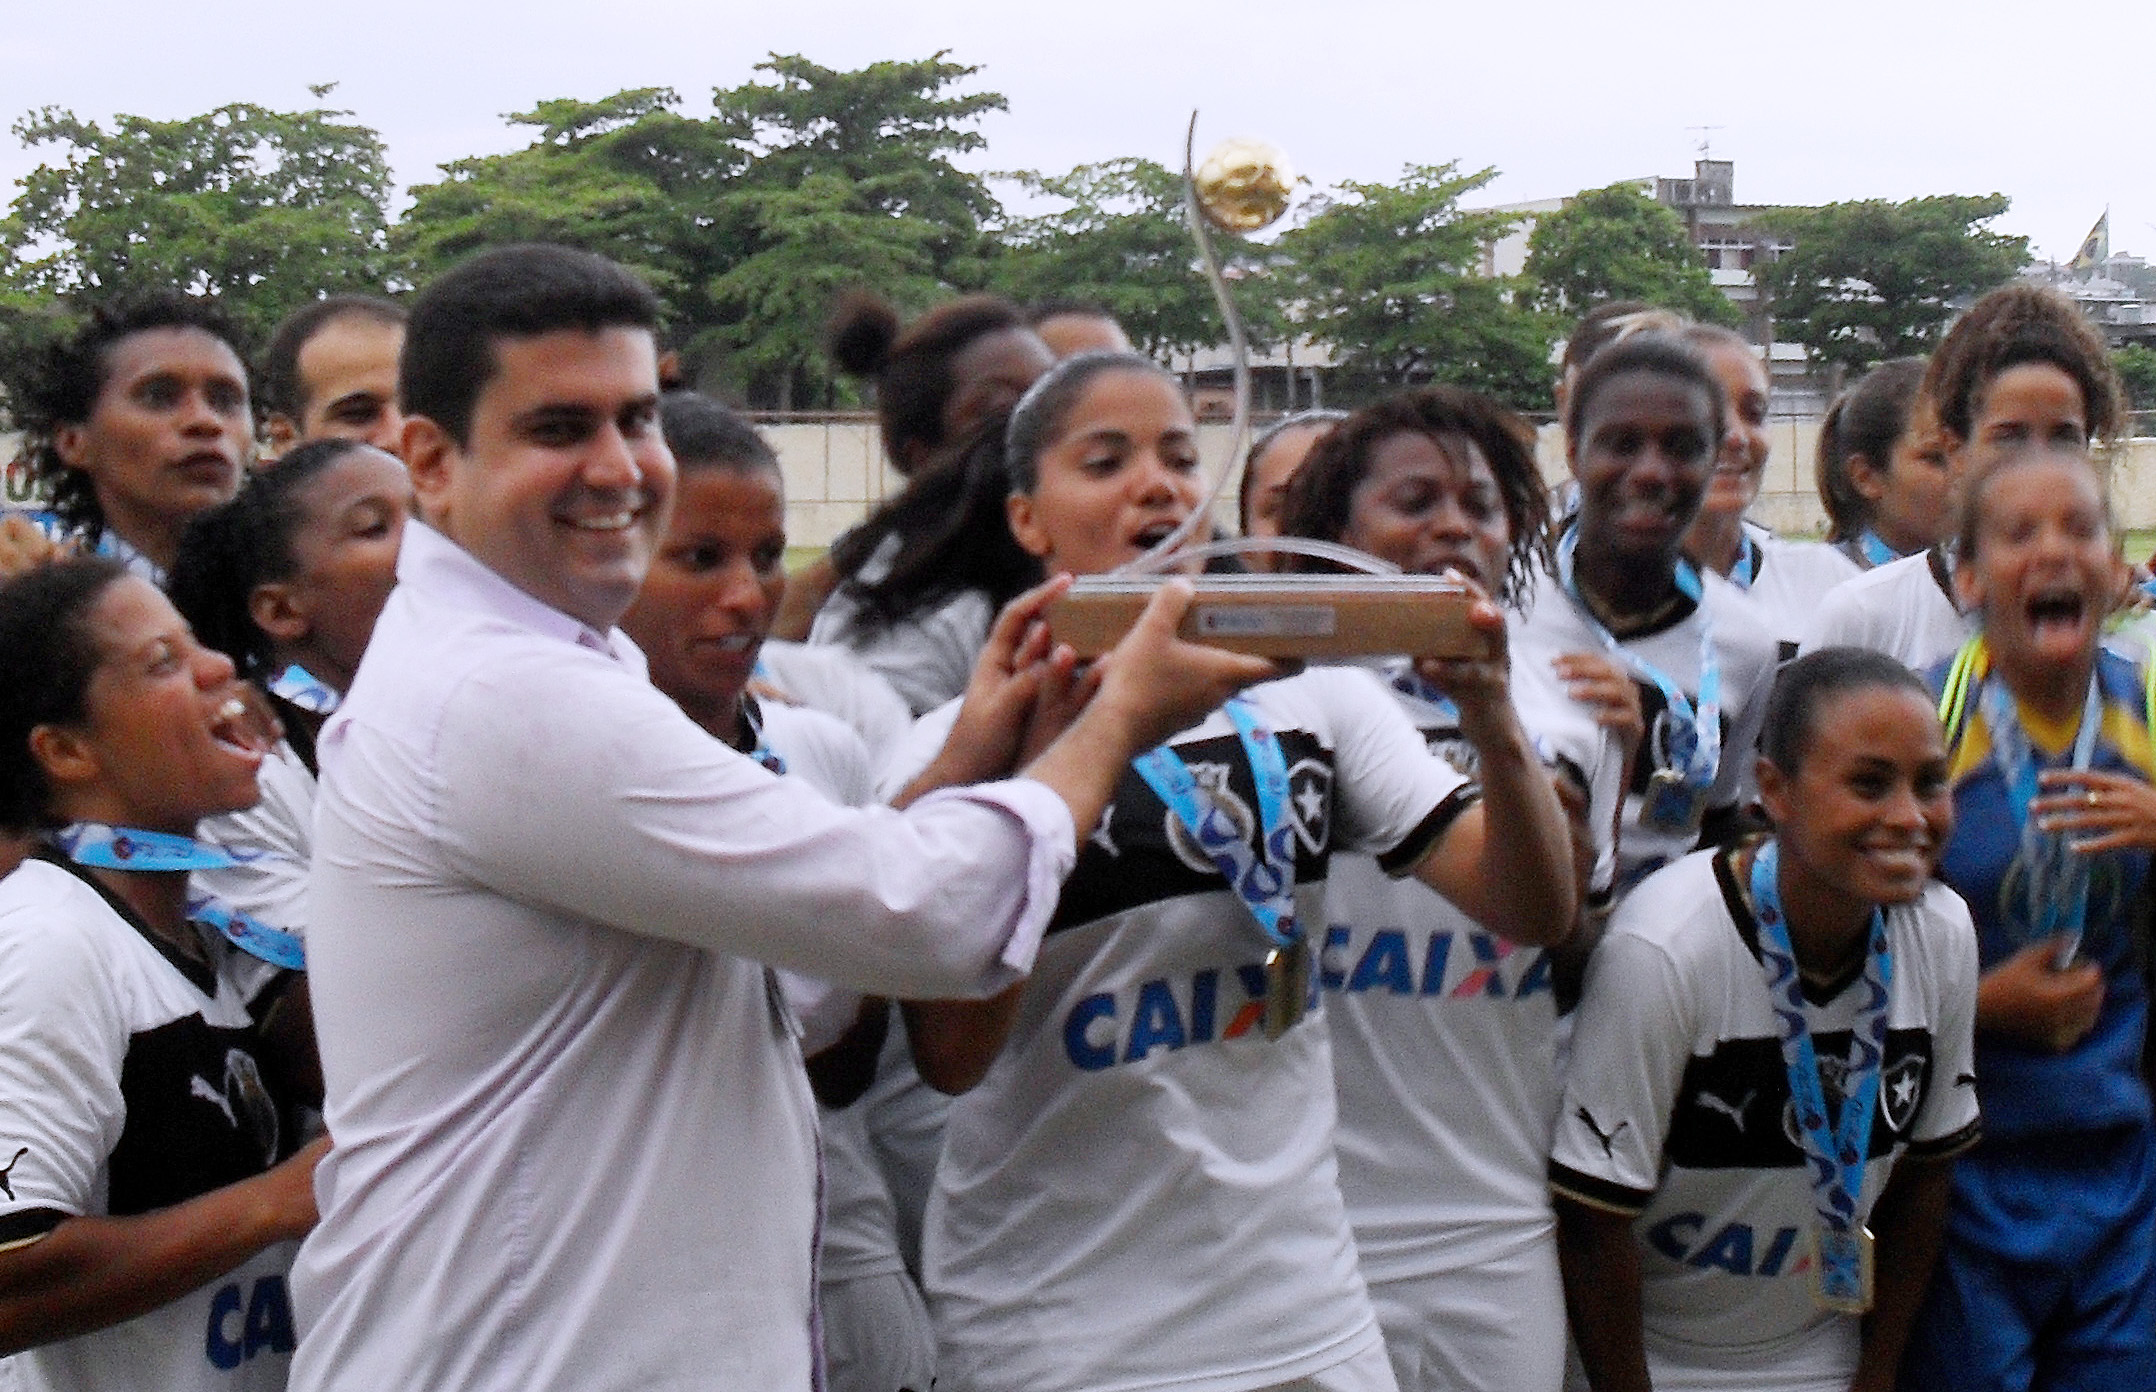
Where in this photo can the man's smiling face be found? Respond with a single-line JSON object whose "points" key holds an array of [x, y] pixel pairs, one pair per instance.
{"points": [[563, 485]]}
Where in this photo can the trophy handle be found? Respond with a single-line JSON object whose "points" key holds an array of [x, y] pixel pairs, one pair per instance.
{"points": [[1156, 561]]}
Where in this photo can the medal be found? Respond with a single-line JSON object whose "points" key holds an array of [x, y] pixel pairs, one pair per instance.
{"points": [[1676, 795], [1834, 1157], [1671, 803], [1842, 1269], [1287, 987]]}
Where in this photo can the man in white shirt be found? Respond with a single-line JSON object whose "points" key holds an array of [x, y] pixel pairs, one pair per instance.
{"points": [[575, 1148]]}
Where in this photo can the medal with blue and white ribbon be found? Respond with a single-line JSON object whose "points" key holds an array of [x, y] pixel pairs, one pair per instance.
{"points": [[1676, 794], [1263, 880], [102, 847], [1834, 1159]]}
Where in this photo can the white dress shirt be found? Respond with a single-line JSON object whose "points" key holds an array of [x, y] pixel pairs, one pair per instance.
{"points": [[575, 1148]]}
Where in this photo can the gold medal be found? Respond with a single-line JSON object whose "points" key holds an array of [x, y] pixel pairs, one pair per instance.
{"points": [[1842, 1269], [1287, 987]]}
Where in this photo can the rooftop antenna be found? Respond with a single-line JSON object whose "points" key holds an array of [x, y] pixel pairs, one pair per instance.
{"points": [[1706, 139]]}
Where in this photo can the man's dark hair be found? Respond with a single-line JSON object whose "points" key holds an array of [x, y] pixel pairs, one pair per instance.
{"points": [[62, 388], [517, 291], [277, 385]]}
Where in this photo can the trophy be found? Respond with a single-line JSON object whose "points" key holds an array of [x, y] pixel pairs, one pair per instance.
{"points": [[1243, 186]]}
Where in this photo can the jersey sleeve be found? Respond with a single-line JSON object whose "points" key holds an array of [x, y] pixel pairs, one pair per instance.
{"points": [[1839, 621], [62, 1043], [1948, 1121], [1631, 1039], [905, 761], [1394, 798]]}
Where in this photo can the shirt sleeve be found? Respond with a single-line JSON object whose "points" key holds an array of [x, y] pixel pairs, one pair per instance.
{"points": [[605, 802], [1394, 798], [1631, 1041], [1948, 1121], [62, 1042]]}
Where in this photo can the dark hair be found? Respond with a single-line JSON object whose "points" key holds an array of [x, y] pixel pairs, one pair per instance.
{"points": [[1804, 686], [1296, 421], [703, 433], [1040, 415], [230, 549], [954, 534], [1659, 353], [1867, 419], [1321, 494], [1969, 498], [518, 291], [63, 384], [2019, 324], [277, 387], [910, 365], [1606, 323], [47, 657]]}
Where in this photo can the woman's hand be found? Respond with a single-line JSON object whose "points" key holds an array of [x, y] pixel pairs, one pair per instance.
{"points": [[2097, 811], [23, 546], [1480, 686], [1608, 693], [2029, 998]]}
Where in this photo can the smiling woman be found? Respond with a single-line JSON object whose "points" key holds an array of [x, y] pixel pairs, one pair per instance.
{"points": [[151, 1210], [1744, 1002]]}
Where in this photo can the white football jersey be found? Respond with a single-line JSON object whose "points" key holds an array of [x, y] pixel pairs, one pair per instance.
{"points": [[1745, 648], [1677, 1109], [1904, 609], [1141, 1193]]}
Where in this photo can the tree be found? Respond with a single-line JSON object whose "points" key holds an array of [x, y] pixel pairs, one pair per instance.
{"points": [[264, 209], [887, 130], [1875, 280], [1617, 243], [2136, 363], [1390, 276], [1124, 245]]}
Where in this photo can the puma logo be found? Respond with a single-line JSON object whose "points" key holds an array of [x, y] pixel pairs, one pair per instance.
{"points": [[1721, 1104], [198, 1087], [1608, 1138], [7, 1175]]}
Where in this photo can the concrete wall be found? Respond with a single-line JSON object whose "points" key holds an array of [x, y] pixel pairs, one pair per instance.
{"points": [[835, 472]]}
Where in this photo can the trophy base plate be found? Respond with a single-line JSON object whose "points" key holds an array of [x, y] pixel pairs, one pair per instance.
{"points": [[1283, 615]]}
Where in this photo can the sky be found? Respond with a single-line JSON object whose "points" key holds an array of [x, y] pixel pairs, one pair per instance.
{"points": [[1827, 101]]}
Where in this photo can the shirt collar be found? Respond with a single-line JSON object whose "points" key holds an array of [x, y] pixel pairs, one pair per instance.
{"points": [[438, 567]]}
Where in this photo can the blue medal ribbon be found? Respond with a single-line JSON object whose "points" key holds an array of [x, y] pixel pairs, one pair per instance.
{"points": [[752, 715], [1695, 736], [1876, 551], [1408, 682], [1265, 883], [102, 847], [1836, 1158], [305, 690], [1746, 570]]}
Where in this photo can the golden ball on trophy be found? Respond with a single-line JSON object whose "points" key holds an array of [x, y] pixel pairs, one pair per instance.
{"points": [[1243, 184]]}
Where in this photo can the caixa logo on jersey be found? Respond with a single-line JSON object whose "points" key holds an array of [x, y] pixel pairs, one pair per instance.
{"points": [[1736, 1248], [1213, 1005], [1901, 1090]]}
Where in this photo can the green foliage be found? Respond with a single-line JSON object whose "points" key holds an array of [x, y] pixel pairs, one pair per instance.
{"points": [[1617, 243], [264, 209], [1875, 280], [1123, 244], [1390, 276], [2136, 363], [750, 221]]}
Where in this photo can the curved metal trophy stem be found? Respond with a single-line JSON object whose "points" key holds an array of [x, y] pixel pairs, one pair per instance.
{"points": [[1157, 559]]}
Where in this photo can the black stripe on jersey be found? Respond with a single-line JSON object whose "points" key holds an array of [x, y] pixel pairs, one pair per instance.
{"points": [[1733, 1109], [1738, 901], [197, 972], [1132, 859], [1946, 1147], [1430, 830], [28, 1225], [1596, 1192]]}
